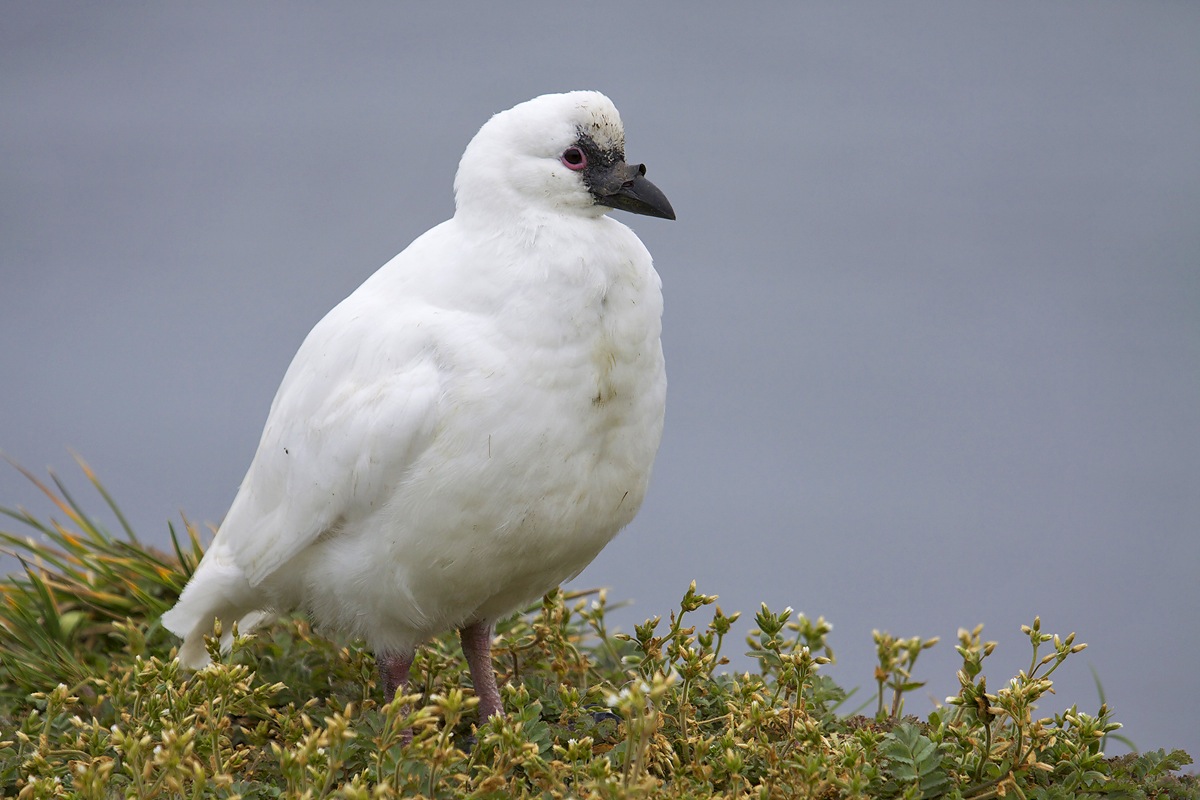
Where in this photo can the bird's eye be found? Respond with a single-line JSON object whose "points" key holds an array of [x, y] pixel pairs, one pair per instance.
{"points": [[574, 158]]}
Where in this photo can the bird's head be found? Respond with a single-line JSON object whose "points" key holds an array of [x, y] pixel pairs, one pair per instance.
{"points": [[558, 153]]}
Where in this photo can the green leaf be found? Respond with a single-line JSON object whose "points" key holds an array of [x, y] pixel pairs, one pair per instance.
{"points": [[915, 760]]}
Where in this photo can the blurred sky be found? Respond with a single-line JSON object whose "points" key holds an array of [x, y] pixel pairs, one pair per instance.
{"points": [[933, 296]]}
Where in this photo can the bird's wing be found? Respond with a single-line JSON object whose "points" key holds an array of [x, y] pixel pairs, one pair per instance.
{"points": [[356, 408]]}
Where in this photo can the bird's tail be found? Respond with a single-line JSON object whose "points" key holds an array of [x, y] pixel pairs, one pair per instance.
{"points": [[218, 591]]}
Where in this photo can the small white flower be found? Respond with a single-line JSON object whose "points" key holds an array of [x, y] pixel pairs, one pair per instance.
{"points": [[157, 749], [644, 687]]}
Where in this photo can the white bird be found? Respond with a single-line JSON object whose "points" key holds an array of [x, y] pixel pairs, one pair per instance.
{"points": [[473, 424]]}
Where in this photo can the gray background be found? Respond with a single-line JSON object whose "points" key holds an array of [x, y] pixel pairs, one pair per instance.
{"points": [[933, 297]]}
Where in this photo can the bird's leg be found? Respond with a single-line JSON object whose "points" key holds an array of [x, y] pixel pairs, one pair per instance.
{"points": [[477, 647], [393, 672]]}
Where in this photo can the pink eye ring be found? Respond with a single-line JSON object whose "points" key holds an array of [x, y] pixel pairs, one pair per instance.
{"points": [[574, 158]]}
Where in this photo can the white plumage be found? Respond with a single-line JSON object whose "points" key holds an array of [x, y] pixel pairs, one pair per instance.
{"points": [[474, 423]]}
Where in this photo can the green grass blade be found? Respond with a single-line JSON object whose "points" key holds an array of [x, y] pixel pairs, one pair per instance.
{"points": [[108, 499]]}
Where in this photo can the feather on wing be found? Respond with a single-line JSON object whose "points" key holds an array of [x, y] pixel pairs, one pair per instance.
{"points": [[358, 404]]}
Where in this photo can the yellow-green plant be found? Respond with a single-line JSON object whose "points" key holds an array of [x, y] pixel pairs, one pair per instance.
{"points": [[93, 705]]}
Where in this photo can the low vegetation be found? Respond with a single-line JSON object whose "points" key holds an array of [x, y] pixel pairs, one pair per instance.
{"points": [[93, 706]]}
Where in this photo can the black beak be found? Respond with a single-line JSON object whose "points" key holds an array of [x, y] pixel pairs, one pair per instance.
{"points": [[624, 186]]}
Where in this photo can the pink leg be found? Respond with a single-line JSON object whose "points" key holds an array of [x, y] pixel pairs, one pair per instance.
{"points": [[477, 647], [393, 672]]}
